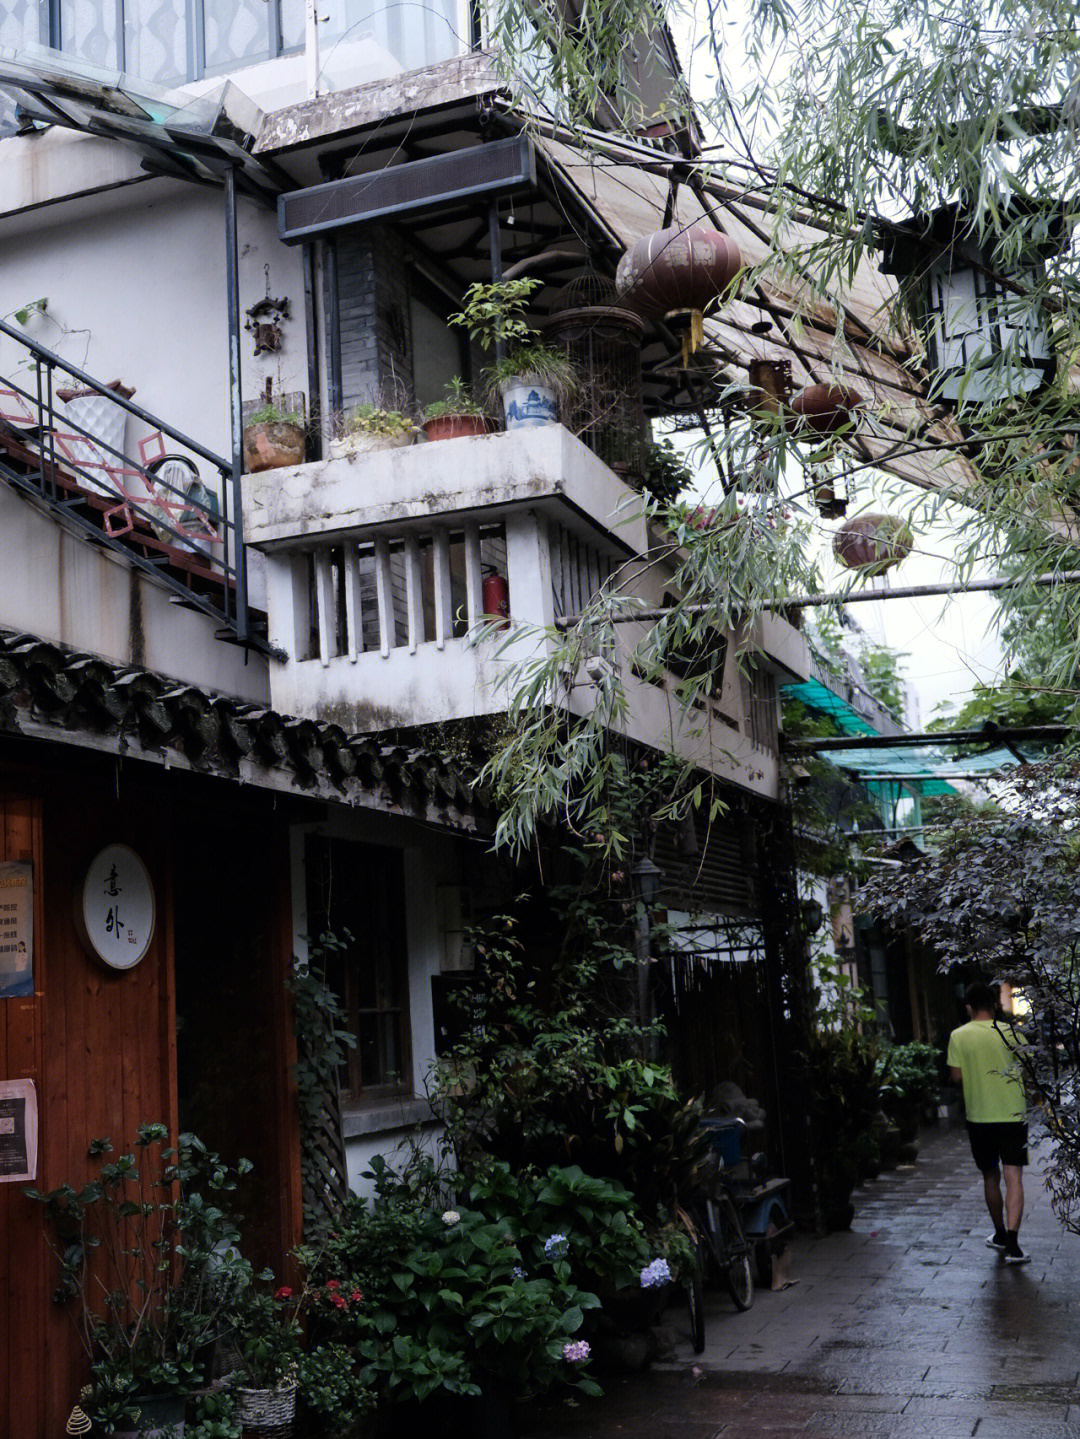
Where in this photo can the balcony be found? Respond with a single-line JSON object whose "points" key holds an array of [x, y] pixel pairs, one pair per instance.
{"points": [[376, 572]]}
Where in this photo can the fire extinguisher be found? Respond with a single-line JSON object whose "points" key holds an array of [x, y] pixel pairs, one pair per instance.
{"points": [[496, 598]]}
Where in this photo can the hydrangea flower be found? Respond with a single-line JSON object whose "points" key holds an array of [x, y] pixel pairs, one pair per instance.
{"points": [[450, 1218], [576, 1352], [518, 1272], [556, 1247], [655, 1274]]}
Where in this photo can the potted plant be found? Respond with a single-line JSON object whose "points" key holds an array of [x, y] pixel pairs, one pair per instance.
{"points": [[530, 376], [148, 1259], [267, 1340], [273, 438], [369, 427], [457, 415]]}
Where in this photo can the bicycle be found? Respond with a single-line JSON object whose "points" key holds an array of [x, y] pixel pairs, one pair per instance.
{"points": [[717, 1242]]}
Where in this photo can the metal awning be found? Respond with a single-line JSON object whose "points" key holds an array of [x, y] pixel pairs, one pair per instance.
{"points": [[192, 138]]}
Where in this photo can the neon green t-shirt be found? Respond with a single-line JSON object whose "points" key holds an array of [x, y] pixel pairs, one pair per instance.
{"points": [[983, 1051]]}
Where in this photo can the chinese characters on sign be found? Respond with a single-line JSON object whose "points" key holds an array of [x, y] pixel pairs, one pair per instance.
{"points": [[16, 930], [18, 1130], [118, 907]]}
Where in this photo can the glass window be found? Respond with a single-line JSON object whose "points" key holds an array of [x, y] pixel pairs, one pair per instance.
{"points": [[156, 40], [357, 893], [236, 32], [20, 23], [89, 32]]}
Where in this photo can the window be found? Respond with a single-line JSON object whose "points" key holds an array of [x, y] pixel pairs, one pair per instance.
{"points": [[357, 892], [167, 41]]}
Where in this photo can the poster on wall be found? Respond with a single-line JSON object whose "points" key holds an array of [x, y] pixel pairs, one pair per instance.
{"points": [[16, 930], [18, 1130]]}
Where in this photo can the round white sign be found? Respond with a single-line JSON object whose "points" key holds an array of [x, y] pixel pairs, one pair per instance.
{"points": [[118, 907]]}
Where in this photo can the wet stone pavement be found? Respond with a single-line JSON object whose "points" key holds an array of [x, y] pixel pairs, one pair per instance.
{"points": [[906, 1326]]}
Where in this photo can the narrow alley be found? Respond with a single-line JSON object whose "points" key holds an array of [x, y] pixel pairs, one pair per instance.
{"points": [[906, 1326]]}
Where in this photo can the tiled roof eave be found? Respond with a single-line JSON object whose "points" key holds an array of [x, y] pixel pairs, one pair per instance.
{"points": [[50, 693]]}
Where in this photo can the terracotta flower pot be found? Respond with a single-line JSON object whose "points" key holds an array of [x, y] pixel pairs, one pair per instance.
{"points": [[824, 409], [273, 445], [455, 427]]}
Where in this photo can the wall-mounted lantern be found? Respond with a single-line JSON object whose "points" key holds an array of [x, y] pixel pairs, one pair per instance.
{"points": [[264, 320], [985, 341]]}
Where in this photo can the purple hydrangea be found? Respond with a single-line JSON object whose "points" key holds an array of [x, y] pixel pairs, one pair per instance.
{"points": [[655, 1274], [556, 1247], [576, 1352]]}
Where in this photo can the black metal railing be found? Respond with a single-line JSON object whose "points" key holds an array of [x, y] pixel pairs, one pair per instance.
{"points": [[135, 507]]}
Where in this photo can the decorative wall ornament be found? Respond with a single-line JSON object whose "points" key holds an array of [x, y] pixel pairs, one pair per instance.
{"points": [[264, 320], [115, 910]]}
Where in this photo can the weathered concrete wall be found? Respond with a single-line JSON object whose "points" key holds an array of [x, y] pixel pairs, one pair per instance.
{"points": [[59, 588]]}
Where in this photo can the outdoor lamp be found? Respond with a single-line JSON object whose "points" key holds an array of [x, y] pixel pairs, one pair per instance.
{"points": [[984, 342], [646, 877], [813, 916]]}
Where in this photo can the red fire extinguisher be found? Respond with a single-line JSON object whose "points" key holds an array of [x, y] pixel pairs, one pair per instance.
{"points": [[496, 598]]}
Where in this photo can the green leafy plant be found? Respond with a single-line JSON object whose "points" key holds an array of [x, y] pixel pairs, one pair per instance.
{"points": [[271, 414], [549, 367], [332, 1393], [452, 1304], [667, 473], [368, 419], [494, 313], [213, 1417], [458, 400], [148, 1258]]}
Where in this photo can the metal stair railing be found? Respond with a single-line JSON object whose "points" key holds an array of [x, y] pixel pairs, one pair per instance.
{"points": [[124, 504]]}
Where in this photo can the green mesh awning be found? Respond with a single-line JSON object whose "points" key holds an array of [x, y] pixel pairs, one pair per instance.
{"points": [[818, 697]]}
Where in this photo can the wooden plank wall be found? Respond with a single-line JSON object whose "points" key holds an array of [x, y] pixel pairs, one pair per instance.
{"points": [[99, 1048]]}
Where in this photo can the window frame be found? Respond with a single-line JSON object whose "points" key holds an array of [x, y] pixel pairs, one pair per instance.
{"points": [[50, 31], [388, 864]]}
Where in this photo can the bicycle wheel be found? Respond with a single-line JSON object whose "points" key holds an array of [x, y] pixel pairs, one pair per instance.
{"points": [[737, 1274], [695, 1295]]}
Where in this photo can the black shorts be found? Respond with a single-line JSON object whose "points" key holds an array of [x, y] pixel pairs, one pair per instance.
{"points": [[994, 1144]]}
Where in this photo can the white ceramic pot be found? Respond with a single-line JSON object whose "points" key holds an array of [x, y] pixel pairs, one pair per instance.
{"points": [[349, 446], [528, 403]]}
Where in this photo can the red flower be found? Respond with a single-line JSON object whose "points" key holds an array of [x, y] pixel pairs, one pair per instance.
{"points": [[333, 1284], [284, 1292], [339, 1300], [355, 1295]]}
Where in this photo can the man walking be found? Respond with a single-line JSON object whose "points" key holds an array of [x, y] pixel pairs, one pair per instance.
{"points": [[982, 1058]]}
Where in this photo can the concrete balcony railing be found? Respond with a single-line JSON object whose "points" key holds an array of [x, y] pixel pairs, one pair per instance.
{"points": [[375, 587]]}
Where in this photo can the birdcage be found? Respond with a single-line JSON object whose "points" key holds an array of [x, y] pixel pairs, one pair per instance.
{"points": [[604, 407]]}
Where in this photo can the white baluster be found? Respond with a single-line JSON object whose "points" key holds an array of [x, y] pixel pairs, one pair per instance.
{"points": [[324, 592], [440, 564], [414, 593], [383, 596]]}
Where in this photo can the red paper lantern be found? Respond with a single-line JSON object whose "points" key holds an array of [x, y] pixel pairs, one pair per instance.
{"points": [[686, 267], [496, 599], [824, 409], [872, 544]]}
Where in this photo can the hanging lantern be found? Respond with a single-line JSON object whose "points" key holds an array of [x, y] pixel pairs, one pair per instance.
{"points": [[984, 342], [676, 274], [824, 410], [872, 544]]}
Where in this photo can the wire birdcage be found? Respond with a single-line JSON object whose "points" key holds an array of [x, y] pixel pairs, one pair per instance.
{"points": [[605, 407]]}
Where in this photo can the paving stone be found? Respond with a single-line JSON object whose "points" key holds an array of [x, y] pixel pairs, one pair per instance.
{"points": [[907, 1326]]}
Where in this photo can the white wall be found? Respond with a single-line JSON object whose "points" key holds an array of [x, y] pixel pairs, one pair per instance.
{"points": [[135, 282]]}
